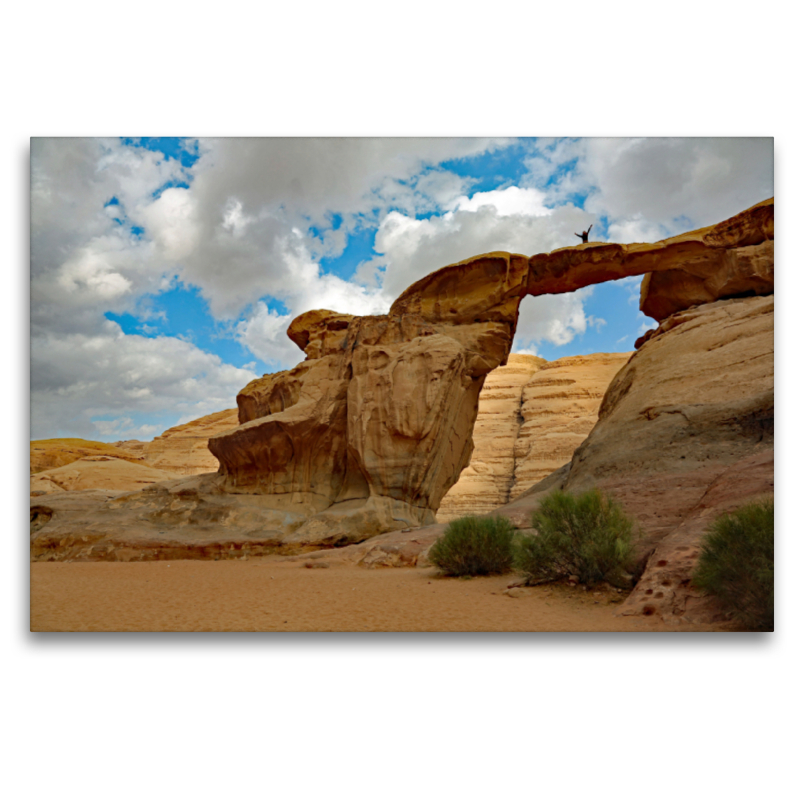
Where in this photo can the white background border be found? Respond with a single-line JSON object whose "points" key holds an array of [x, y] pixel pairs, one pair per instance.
{"points": [[235, 716]]}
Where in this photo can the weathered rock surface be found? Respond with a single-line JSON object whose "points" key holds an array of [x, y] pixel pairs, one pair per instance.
{"points": [[183, 450], [406, 548], [560, 405], [685, 432], [665, 588], [532, 415], [52, 453], [702, 390], [694, 401], [98, 472], [185, 518], [739, 272]]}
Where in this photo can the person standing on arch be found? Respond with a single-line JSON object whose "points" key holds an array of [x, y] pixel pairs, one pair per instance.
{"points": [[584, 237]]}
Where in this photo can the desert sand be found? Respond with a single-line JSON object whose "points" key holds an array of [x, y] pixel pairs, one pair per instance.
{"points": [[275, 594]]}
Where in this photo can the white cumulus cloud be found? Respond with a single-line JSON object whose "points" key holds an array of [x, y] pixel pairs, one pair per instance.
{"points": [[76, 378]]}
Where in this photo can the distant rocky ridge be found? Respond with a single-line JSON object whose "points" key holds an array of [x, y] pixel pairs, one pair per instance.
{"points": [[53, 453], [183, 450]]}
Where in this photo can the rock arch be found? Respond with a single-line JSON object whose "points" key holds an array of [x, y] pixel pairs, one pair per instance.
{"points": [[375, 425]]}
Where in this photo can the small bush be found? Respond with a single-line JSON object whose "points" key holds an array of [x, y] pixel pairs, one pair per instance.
{"points": [[737, 564], [587, 535], [474, 546]]}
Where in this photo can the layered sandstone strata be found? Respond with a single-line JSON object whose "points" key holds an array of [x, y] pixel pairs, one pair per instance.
{"points": [[184, 518], [532, 415], [559, 408]]}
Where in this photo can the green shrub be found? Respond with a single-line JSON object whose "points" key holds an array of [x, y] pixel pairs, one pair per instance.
{"points": [[587, 535], [474, 546], [737, 564]]}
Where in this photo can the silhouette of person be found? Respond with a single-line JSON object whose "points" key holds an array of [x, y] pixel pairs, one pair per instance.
{"points": [[584, 237]]}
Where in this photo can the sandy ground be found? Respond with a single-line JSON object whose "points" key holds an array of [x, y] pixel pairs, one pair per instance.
{"points": [[271, 594]]}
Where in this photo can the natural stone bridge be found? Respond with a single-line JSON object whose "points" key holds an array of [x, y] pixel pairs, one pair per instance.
{"points": [[370, 432]]}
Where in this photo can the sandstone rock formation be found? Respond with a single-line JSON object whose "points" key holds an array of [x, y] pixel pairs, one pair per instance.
{"points": [[685, 433], [372, 429], [97, 472], [738, 272], [532, 415], [559, 408], [52, 453], [703, 390]]}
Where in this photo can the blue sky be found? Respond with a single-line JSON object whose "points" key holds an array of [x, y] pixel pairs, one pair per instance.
{"points": [[166, 270], [181, 311]]}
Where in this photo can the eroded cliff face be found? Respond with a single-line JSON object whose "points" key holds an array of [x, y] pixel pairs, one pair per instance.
{"points": [[692, 412], [700, 390], [560, 405], [532, 415]]}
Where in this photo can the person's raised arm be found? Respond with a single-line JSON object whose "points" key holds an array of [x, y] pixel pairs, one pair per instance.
{"points": [[579, 236], [590, 227]]}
